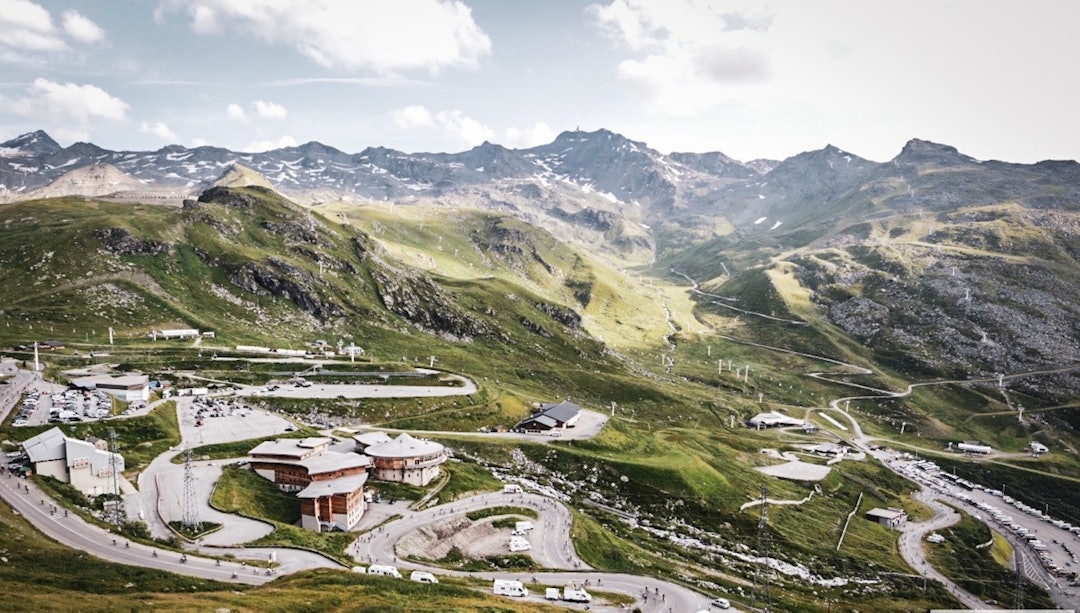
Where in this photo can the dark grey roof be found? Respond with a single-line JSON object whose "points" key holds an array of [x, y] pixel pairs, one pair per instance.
{"points": [[562, 412]]}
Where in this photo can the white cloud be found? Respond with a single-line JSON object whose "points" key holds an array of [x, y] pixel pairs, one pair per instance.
{"points": [[415, 116], [539, 134], [269, 110], [352, 35], [159, 130], [82, 28], [687, 57], [200, 142], [622, 23], [26, 26], [269, 145], [235, 111], [27, 29], [66, 102], [458, 126], [453, 124]]}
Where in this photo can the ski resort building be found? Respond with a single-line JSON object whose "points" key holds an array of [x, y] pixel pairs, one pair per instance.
{"points": [[407, 460], [551, 417], [370, 439], [893, 518], [772, 419], [329, 484], [88, 466], [129, 388], [177, 333]]}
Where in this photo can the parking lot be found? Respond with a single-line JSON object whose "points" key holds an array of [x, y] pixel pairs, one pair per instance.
{"points": [[206, 420], [1051, 544], [48, 403]]}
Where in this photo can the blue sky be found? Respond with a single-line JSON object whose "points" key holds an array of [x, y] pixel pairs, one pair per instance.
{"points": [[752, 79]]}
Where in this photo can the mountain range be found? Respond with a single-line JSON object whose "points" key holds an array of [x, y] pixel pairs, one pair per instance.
{"points": [[943, 263]]}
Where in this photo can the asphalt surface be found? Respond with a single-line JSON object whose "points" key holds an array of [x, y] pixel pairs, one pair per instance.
{"points": [[72, 531], [552, 548]]}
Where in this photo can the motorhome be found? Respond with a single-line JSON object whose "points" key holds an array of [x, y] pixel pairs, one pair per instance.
{"points": [[572, 593], [385, 571], [422, 577], [507, 587]]}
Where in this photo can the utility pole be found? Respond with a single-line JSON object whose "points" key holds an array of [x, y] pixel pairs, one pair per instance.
{"points": [[118, 510], [1018, 558]]}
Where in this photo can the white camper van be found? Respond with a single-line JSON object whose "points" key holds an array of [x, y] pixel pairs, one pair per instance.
{"points": [[572, 593], [506, 587], [422, 577], [385, 571]]}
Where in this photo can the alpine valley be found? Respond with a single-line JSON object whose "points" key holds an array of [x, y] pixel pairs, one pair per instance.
{"points": [[680, 294]]}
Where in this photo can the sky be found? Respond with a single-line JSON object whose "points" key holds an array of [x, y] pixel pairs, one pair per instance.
{"points": [[752, 79]]}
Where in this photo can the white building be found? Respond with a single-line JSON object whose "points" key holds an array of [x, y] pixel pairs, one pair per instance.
{"points": [[129, 388], [773, 419], [893, 518], [178, 333], [83, 464]]}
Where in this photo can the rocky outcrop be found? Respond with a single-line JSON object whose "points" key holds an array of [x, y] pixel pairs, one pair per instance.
{"points": [[424, 304], [227, 197], [122, 242], [284, 280], [563, 315]]}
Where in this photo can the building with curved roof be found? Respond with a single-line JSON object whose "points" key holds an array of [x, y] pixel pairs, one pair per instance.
{"points": [[407, 460]]}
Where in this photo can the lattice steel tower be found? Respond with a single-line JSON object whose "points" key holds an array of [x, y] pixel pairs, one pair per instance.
{"points": [[190, 517]]}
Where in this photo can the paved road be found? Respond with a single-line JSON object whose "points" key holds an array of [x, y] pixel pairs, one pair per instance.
{"points": [[550, 537], [552, 548], [913, 537], [74, 532]]}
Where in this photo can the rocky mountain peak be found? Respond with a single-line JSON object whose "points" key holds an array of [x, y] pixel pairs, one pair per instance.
{"points": [[238, 175], [33, 143], [716, 164], [918, 152]]}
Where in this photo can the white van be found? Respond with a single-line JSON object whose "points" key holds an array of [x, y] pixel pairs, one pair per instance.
{"points": [[552, 593], [512, 488], [422, 577], [507, 587], [575, 594], [721, 603], [385, 571]]}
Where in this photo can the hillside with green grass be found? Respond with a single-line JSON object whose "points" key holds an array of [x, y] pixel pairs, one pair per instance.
{"points": [[913, 296]]}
